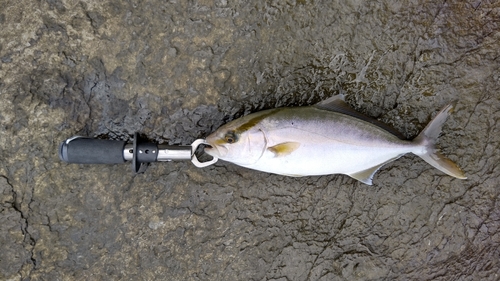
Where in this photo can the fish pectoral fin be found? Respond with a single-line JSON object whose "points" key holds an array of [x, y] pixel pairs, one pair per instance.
{"points": [[284, 148]]}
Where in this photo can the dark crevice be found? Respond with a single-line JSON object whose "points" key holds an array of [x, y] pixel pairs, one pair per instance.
{"points": [[24, 223]]}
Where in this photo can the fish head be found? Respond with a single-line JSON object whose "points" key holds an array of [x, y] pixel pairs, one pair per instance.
{"points": [[241, 141]]}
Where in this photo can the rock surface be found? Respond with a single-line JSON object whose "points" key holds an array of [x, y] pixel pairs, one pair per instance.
{"points": [[176, 70]]}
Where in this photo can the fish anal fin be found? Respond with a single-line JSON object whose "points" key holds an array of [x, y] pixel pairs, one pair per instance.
{"points": [[292, 175], [366, 176], [283, 149]]}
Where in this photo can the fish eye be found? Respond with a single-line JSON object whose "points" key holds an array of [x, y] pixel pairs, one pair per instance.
{"points": [[231, 137]]}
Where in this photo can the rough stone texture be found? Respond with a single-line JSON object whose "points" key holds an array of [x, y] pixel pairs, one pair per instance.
{"points": [[175, 71]]}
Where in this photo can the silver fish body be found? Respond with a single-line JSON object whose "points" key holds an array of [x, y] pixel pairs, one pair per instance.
{"points": [[328, 138]]}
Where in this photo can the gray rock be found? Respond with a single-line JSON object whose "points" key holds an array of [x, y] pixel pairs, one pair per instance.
{"points": [[177, 70]]}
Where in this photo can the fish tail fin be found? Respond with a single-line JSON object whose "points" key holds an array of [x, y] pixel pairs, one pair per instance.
{"points": [[427, 141]]}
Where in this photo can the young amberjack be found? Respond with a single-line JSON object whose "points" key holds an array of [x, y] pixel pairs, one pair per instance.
{"points": [[327, 138]]}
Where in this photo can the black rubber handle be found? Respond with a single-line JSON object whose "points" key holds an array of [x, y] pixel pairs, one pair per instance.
{"points": [[81, 150]]}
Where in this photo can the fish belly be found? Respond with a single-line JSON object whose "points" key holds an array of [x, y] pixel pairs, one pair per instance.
{"points": [[323, 160], [330, 150]]}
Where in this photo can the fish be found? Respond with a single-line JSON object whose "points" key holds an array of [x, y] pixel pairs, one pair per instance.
{"points": [[327, 138]]}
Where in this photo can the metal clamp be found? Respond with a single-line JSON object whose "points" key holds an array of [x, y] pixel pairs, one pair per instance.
{"points": [[195, 160]]}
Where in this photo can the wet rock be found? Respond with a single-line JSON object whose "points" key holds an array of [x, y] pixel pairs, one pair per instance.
{"points": [[177, 70]]}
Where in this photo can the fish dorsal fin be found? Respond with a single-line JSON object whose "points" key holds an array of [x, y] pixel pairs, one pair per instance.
{"points": [[338, 104], [283, 149]]}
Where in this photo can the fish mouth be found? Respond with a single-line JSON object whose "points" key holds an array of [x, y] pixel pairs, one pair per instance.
{"points": [[208, 149], [213, 150]]}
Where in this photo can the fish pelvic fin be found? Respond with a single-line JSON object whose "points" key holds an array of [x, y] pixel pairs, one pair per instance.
{"points": [[428, 138]]}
